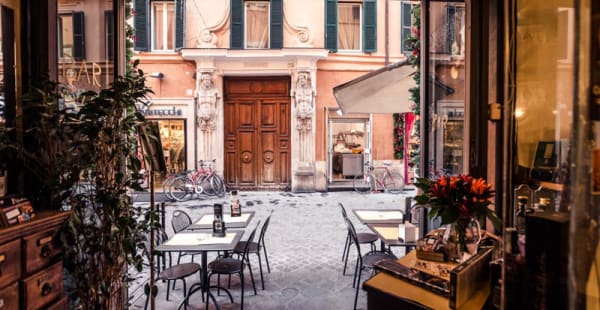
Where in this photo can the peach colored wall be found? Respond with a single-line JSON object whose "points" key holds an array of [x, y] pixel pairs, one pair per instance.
{"points": [[382, 125], [177, 82]]}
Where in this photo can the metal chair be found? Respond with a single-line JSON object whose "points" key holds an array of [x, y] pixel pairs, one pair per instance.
{"points": [[171, 273], [364, 261], [180, 221], [255, 247], [229, 265], [363, 238]]}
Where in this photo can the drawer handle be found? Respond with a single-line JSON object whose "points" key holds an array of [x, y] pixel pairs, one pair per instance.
{"points": [[44, 240], [45, 252], [2, 258], [46, 289]]}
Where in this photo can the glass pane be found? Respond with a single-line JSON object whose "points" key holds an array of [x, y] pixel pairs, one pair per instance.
{"points": [[446, 85], [95, 71], [158, 20], [170, 27], [257, 24], [545, 88], [349, 26]]}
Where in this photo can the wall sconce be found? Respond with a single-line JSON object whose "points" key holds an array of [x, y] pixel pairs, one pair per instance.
{"points": [[339, 112], [158, 75]]}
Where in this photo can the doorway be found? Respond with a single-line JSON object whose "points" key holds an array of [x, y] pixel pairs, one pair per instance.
{"points": [[257, 132], [348, 145]]}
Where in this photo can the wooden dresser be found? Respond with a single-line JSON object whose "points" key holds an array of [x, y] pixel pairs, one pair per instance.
{"points": [[31, 271]]}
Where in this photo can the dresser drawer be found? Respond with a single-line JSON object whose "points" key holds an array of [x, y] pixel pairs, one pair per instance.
{"points": [[10, 262], [60, 304], [39, 250], [9, 297], [43, 287]]}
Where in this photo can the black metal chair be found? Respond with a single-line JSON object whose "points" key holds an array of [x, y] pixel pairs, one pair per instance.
{"points": [[229, 265], [171, 273], [364, 261], [255, 247], [180, 221], [363, 238]]}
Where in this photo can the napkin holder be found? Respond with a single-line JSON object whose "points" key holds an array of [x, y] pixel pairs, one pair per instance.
{"points": [[236, 208], [218, 223], [407, 232]]}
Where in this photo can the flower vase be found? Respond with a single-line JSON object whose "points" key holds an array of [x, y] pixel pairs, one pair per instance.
{"points": [[461, 239]]}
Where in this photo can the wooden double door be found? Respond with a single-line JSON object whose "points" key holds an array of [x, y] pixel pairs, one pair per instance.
{"points": [[257, 132]]}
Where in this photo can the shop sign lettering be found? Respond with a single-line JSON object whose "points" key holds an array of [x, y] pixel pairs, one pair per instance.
{"points": [[164, 112]]}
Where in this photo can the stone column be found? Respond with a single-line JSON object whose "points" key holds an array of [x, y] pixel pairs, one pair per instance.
{"points": [[303, 130]]}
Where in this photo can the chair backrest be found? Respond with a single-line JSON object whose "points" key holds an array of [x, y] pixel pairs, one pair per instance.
{"points": [[247, 246], [344, 214], [263, 230], [354, 236], [180, 221], [160, 236]]}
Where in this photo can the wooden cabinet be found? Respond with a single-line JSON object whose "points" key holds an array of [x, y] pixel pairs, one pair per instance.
{"points": [[30, 264]]}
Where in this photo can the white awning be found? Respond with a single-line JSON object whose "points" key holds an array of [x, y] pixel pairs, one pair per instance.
{"points": [[382, 91]]}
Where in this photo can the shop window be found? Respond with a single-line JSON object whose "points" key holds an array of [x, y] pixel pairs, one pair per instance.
{"points": [[351, 26], [172, 137], [71, 36], [256, 24], [163, 26]]}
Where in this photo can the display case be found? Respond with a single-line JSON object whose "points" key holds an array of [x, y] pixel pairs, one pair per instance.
{"points": [[448, 138]]}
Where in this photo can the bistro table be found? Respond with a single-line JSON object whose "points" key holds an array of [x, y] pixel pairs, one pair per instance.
{"points": [[206, 221], [388, 234], [202, 242]]}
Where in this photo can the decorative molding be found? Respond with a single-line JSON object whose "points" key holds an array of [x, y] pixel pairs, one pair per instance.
{"points": [[207, 100], [302, 35]]}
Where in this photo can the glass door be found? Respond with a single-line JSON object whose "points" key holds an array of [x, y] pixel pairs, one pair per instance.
{"points": [[446, 84], [348, 146]]}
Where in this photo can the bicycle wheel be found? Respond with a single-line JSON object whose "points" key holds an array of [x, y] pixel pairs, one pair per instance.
{"points": [[218, 185], [393, 182], [205, 186], [180, 187], [363, 184], [166, 187]]}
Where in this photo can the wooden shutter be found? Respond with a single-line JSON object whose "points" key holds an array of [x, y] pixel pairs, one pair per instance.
{"points": [[78, 36], [276, 32], [141, 25], [406, 26], [237, 24], [110, 36], [370, 26], [331, 30], [179, 24]]}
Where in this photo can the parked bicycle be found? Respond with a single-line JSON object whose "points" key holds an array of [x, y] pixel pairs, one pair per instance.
{"points": [[372, 180], [203, 181]]}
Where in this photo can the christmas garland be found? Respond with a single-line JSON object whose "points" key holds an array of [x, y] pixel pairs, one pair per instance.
{"points": [[414, 58]]}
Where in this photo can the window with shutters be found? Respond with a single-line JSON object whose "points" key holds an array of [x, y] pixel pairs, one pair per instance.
{"points": [[256, 34], [256, 24], [109, 34], [163, 25], [406, 24], [349, 26], [65, 36]]}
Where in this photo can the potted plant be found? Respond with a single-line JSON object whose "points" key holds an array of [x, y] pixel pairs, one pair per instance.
{"points": [[86, 161], [459, 202]]}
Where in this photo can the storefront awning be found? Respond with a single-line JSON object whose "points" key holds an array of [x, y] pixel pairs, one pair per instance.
{"points": [[382, 91]]}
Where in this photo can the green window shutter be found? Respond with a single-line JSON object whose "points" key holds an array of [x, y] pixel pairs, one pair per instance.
{"points": [[110, 34], [237, 24], [406, 26], [179, 24], [78, 36], [276, 32], [141, 25], [370, 26], [331, 22]]}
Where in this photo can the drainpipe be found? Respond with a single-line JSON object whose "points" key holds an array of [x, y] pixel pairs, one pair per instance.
{"points": [[387, 32]]}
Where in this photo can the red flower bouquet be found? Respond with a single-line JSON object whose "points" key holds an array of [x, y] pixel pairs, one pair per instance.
{"points": [[457, 197]]}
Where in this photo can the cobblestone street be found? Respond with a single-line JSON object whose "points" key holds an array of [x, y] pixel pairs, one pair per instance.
{"points": [[305, 240]]}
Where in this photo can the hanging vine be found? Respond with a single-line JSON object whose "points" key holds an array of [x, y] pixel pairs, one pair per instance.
{"points": [[413, 41]]}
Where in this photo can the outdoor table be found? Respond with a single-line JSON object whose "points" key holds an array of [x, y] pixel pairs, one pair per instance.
{"points": [[388, 234], [202, 242], [375, 216], [206, 221]]}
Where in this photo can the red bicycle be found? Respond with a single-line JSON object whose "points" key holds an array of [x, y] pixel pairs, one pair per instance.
{"points": [[373, 181]]}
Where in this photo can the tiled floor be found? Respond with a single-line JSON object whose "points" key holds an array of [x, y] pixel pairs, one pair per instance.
{"points": [[305, 242]]}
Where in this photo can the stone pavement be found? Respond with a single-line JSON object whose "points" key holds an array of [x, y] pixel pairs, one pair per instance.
{"points": [[304, 241]]}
